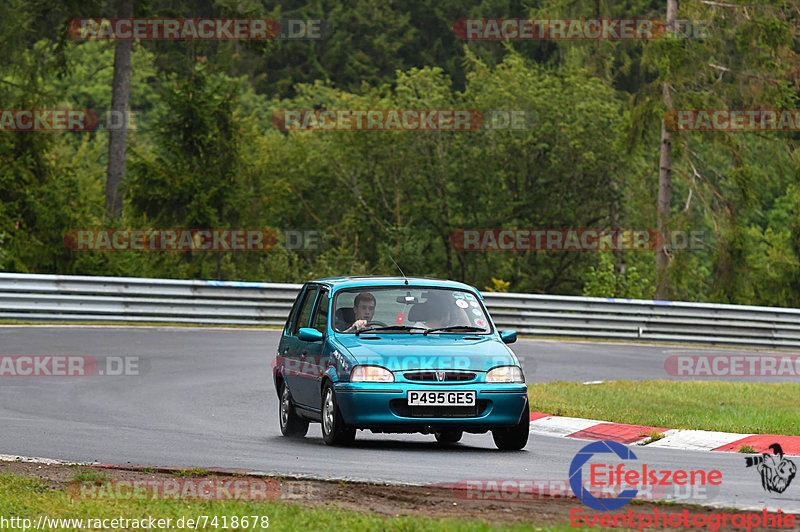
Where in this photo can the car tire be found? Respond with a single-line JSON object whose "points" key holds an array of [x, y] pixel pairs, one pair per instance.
{"points": [[292, 425], [448, 437], [334, 431], [516, 437]]}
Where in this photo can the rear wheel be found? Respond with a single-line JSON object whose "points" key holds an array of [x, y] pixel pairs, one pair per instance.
{"points": [[516, 437], [334, 431], [292, 425], [448, 437]]}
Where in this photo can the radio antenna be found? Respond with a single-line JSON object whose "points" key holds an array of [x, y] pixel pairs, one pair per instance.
{"points": [[398, 267]]}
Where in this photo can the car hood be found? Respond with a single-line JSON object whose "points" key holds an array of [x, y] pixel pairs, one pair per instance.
{"points": [[400, 352]]}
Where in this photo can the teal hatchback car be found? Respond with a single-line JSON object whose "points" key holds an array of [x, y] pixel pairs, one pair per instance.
{"points": [[390, 354]]}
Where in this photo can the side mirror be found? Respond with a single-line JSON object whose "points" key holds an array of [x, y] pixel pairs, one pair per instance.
{"points": [[508, 337], [306, 334]]}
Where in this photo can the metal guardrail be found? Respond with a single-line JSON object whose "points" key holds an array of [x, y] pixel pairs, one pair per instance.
{"points": [[639, 319], [132, 299]]}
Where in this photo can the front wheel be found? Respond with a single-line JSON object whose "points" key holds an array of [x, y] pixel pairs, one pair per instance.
{"points": [[516, 437], [292, 425], [334, 431]]}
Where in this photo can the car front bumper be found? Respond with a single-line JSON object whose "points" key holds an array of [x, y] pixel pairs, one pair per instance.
{"points": [[384, 406]]}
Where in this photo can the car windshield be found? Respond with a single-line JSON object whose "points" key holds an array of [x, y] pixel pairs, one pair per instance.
{"points": [[409, 310]]}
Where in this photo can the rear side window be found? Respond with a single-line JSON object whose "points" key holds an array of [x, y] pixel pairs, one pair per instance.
{"points": [[320, 322], [287, 329], [305, 310]]}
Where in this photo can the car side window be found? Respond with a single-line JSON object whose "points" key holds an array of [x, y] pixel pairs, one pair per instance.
{"points": [[320, 322], [305, 310], [287, 328]]}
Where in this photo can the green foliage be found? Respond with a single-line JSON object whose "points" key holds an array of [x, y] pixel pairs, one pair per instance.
{"points": [[190, 181], [653, 436], [604, 280], [498, 285], [205, 154], [89, 475]]}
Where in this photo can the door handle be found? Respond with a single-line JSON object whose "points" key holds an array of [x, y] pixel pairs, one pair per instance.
{"points": [[304, 352]]}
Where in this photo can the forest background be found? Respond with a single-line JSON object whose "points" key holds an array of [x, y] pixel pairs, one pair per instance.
{"points": [[205, 154]]}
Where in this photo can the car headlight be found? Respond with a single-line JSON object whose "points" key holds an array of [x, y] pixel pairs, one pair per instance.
{"points": [[371, 374], [505, 374]]}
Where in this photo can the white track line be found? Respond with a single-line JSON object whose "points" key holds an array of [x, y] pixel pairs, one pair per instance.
{"points": [[561, 426], [696, 440]]}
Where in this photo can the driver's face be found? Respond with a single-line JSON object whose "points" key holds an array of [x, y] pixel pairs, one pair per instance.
{"points": [[365, 310]]}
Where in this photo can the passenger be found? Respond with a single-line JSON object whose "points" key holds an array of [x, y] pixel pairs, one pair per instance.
{"points": [[433, 314]]}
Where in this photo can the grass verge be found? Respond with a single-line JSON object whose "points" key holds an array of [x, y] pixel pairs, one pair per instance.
{"points": [[758, 408], [28, 498]]}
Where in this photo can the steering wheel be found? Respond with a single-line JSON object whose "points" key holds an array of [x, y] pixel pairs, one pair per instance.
{"points": [[378, 323]]}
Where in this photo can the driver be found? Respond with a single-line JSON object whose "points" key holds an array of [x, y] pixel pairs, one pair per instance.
{"points": [[363, 310]]}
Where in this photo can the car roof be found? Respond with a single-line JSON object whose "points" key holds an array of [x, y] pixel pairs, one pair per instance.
{"points": [[337, 283]]}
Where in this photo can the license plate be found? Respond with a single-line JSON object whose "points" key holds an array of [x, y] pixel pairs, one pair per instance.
{"points": [[440, 398]]}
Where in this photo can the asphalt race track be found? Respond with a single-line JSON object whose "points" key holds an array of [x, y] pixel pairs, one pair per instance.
{"points": [[204, 398]]}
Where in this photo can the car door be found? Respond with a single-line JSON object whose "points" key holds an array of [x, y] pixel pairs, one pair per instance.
{"points": [[284, 346], [311, 353], [293, 349]]}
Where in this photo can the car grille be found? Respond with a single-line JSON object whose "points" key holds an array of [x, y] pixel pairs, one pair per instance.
{"points": [[401, 408], [430, 376]]}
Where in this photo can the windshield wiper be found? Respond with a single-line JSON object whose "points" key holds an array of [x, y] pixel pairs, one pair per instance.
{"points": [[467, 328], [391, 328]]}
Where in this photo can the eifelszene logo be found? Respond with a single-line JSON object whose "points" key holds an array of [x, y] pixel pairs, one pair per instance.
{"points": [[576, 475], [776, 471], [613, 476]]}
